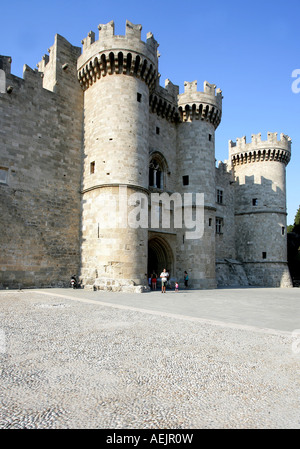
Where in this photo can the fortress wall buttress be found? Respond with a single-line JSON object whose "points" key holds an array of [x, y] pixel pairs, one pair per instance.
{"points": [[260, 208], [40, 149]]}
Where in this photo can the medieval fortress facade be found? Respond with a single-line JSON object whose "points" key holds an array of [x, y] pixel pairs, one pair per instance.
{"points": [[95, 155]]}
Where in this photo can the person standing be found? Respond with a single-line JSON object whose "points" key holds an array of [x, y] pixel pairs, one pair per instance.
{"points": [[153, 281], [164, 278], [186, 280]]}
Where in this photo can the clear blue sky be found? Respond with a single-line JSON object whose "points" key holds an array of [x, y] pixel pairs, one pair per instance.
{"points": [[247, 48]]}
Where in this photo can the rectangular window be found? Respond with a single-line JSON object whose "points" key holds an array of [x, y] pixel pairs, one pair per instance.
{"points": [[3, 175], [92, 167], [139, 97], [209, 137], [219, 225], [264, 255], [157, 130], [185, 180], [209, 221], [219, 196], [254, 202], [282, 230]]}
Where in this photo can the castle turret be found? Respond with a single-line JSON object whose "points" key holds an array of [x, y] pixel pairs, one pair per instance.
{"points": [[200, 114], [260, 207], [117, 74]]}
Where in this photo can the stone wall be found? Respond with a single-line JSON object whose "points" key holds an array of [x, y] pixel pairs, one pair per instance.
{"points": [[40, 146]]}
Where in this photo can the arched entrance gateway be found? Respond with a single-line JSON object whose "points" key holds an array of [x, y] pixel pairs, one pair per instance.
{"points": [[160, 256]]}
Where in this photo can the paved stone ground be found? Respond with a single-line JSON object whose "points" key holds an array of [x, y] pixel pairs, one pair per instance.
{"points": [[189, 360]]}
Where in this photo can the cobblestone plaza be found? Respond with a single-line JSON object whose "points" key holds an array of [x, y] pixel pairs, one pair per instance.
{"points": [[224, 358]]}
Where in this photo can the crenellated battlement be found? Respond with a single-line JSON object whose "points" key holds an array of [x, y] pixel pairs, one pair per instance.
{"points": [[33, 76], [272, 149], [115, 54], [42, 64], [59, 64], [10, 83], [206, 105], [107, 38]]}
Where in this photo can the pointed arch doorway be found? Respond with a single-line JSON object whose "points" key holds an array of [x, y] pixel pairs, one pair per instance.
{"points": [[160, 256]]}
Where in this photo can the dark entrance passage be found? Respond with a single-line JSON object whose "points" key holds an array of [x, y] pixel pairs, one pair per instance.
{"points": [[160, 256]]}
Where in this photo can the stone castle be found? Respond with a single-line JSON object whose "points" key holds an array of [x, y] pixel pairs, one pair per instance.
{"points": [[93, 124]]}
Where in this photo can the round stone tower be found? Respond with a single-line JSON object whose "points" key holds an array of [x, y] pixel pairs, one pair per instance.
{"points": [[200, 114], [117, 74], [260, 207]]}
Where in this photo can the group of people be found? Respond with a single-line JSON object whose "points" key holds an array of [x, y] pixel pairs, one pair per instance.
{"points": [[164, 276]]}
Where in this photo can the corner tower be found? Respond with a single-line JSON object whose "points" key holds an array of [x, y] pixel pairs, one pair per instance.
{"points": [[260, 207], [200, 114], [117, 74]]}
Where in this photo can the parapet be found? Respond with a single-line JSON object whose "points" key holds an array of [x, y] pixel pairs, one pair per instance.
{"points": [[59, 63], [206, 105], [33, 77], [272, 149], [116, 54], [5, 64], [10, 83]]}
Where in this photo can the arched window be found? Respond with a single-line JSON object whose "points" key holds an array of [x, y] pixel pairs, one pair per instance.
{"points": [[156, 175], [157, 171]]}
